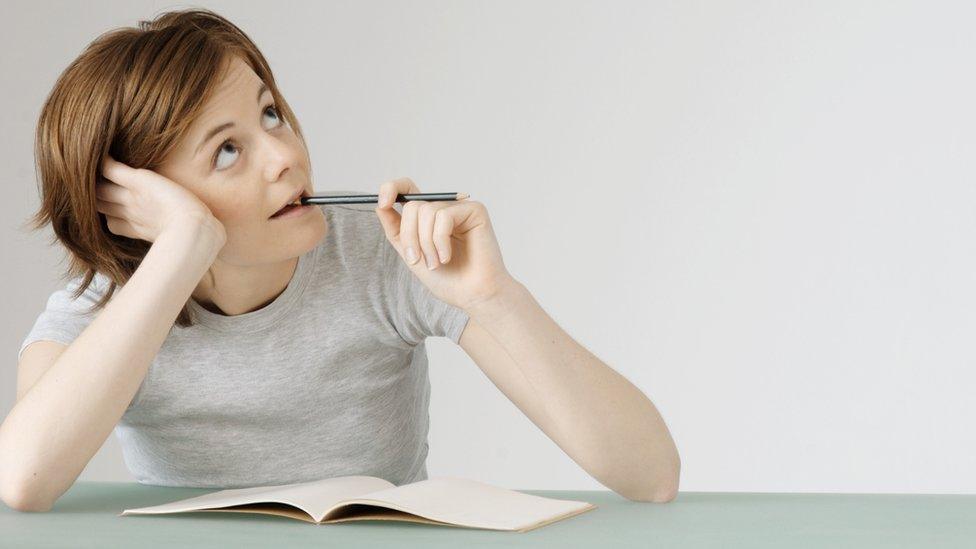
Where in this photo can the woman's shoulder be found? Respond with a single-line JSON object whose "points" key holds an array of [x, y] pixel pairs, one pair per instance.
{"points": [[94, 290]]}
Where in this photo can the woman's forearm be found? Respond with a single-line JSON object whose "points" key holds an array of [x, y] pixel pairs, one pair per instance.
{"points": [[56, 427], [601, 420]]}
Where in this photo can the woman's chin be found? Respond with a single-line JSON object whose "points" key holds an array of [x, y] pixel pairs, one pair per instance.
{"points": [[312, 224], [304, 231]]}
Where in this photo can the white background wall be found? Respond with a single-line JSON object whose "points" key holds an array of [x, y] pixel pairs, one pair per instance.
{"points": [[763, 214]]}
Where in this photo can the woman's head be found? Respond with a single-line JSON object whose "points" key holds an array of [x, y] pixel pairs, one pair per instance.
{"points": [[150, 97], [241, 158]]}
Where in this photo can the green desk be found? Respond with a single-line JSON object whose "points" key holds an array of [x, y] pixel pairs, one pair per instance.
{"points": [[86, 516]]}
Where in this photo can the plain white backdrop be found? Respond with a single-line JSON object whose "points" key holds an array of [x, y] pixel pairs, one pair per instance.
{"points": [[763, 214]]}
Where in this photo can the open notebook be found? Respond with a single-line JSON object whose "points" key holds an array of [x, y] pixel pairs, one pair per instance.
{"points": [[446, 501]]}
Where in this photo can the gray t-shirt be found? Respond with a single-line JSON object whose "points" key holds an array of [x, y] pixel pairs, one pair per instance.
{"points": [[329, 379]]}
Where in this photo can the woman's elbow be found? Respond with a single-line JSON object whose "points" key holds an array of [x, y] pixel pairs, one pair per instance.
{"points": [[21, 495], [665, 494], [662, 488], [23, 500], [660, 493]]}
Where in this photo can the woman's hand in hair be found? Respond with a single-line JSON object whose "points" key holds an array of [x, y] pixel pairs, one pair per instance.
{"points": [[142, 204], [455, 237]]}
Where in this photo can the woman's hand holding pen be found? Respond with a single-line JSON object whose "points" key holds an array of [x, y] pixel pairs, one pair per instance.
{"points": [[455, 238]]}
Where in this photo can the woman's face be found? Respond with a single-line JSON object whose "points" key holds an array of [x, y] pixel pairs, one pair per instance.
{"points": [[247, 171]]}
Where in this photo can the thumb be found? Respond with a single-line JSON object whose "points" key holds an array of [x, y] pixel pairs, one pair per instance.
{"points": [[390, 220]]}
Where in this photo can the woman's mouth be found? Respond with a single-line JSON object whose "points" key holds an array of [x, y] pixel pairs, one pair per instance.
{"points": [[293, 208]]}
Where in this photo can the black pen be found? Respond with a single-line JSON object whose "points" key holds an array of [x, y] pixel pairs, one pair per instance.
{"points": [[374, 198]]}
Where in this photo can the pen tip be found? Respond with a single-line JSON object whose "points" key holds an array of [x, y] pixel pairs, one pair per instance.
{"points": [[461, 196]]}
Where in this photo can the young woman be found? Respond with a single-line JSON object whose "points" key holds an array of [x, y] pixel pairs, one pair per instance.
{"points": [[232, 341]]}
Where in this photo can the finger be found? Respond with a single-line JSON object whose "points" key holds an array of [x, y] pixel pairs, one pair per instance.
{"points": [[457, 219], [443, 229], [388, 215], [408, 232], [425, 231], [119, 226], [389, 191], [116, 171], [109, 208], [390, 220], [110, 192]]}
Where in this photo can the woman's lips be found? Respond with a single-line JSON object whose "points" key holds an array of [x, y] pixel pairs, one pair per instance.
{"points": [[297, 201], [283, 208], [292, 211]]}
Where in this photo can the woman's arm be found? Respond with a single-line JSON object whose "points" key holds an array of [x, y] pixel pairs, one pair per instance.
{"points": [[595, 415], [602, 421], [64, 418]]}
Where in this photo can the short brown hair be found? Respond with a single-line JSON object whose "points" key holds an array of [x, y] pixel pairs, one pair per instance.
{"points": [[132, 93]]}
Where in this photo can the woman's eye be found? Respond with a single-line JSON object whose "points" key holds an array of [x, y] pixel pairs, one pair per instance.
{"points": [[226, 146], [229, 147]]}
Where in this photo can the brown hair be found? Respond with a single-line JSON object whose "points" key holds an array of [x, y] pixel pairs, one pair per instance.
{"points": [[132, 93]]}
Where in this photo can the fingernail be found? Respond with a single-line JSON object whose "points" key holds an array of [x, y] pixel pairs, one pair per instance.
{"points": [[443, 255], [431, 263], [411, 255]]}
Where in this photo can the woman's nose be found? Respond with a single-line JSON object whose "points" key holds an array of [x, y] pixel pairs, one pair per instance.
{"points": [[278, 157]]}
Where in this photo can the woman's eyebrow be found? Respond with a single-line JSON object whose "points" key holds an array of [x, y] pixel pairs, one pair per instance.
{"points": [[263, 88]]}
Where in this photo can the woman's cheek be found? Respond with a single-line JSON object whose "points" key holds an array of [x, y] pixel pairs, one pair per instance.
{"points": [[233, 211]]}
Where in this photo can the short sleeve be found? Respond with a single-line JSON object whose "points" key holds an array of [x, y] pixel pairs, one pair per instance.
{"points": [[64, 318], [417, 313]]}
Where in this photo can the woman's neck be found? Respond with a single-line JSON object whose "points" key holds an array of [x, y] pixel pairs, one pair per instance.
{"points": [[236, 290]]}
